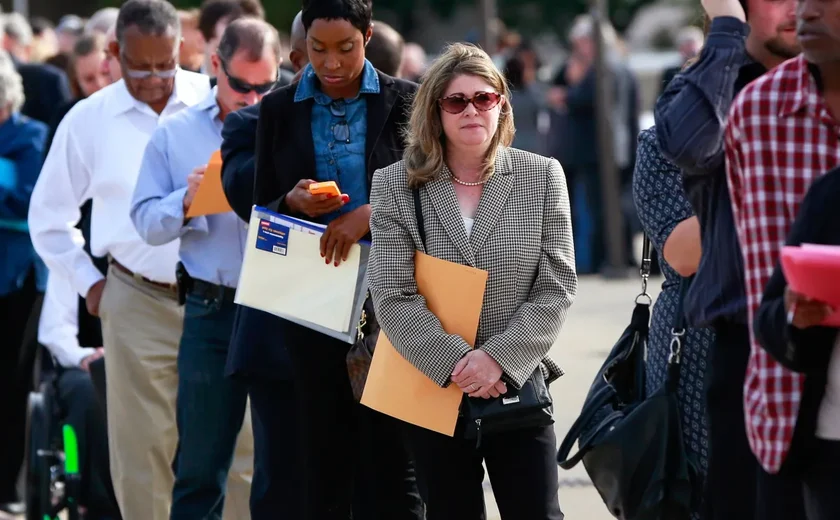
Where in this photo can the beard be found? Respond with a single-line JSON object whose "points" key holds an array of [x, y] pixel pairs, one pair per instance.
{"points": [[782, 48]]}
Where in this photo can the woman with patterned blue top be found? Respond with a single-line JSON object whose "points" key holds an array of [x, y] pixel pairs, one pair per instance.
{"points": [[340, 122], [670, 223]]}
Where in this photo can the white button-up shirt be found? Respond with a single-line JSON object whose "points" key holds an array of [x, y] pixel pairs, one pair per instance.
{"points": [[96, 154], [58, 328]]}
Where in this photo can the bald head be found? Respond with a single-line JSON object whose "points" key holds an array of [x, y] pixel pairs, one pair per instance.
{"points": [[298, 56]]}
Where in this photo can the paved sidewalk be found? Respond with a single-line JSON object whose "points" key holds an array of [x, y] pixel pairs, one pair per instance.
{"points": [[600, 314]]}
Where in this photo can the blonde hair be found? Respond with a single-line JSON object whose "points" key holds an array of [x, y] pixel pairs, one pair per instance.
{"points": [[425, 140]]}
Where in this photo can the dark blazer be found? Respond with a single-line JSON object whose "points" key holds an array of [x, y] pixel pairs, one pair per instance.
{"points": [[281, 135], [251, 328], [46, 89]]}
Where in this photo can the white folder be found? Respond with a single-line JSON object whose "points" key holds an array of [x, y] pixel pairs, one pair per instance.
{"points": [[284, 274]]}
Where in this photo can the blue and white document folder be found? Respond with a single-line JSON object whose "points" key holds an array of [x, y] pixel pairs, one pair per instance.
{"points": [[284, 274]]}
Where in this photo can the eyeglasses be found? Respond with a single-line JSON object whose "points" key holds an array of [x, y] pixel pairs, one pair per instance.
{"points": [[145, 74], [482, 101], [243, 87], [341, 130]]}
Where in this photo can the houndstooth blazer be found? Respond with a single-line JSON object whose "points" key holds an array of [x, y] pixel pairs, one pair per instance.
{"points": [[522, 236]]}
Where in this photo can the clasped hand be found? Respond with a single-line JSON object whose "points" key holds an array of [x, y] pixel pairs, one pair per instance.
{"points": [[479, 375]]}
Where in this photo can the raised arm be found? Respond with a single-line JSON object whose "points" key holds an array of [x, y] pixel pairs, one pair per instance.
{"points": [[534, 327], [402, 313], [691, 113]]}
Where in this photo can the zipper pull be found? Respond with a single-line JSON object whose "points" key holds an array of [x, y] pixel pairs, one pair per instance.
{"points": [[478, 433]]}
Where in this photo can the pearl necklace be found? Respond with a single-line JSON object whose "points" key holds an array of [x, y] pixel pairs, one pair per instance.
{"points": [[465, 183]]}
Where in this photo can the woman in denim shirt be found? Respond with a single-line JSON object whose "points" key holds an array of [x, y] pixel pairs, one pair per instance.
{"points": [[341, 122], [22, 274], [669, 222]]}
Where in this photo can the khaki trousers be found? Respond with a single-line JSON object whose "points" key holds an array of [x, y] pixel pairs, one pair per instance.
{"points": [[141, 330]]}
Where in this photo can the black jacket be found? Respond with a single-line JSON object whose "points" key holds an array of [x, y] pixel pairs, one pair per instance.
{"points": [[805, 351], [285, 125], [46, 89]]}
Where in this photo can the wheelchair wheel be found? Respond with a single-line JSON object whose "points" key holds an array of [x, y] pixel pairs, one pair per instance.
{"points": [[37, 468]]}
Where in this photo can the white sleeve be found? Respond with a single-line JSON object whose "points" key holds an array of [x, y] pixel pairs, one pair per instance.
{"points": [[58, 327], [54, 208]]}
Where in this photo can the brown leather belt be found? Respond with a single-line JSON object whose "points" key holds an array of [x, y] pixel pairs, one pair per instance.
{"points": [[171, 287]]}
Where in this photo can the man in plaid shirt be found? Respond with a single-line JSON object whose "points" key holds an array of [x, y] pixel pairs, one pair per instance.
{"points": [[745, 39], [782, 134]]}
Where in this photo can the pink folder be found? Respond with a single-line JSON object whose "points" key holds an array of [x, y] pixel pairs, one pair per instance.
{"points": [[814, 270]]}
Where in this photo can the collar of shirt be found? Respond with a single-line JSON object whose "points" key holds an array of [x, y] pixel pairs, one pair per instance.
{"points": [[801, 91], [184, 92], [210, 105], [309, 86]]}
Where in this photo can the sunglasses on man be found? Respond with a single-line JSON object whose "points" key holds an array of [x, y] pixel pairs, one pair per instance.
{"points": [[243, 87]]}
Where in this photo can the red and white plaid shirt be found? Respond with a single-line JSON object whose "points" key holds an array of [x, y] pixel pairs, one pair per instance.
{"points": [[780, 137]]}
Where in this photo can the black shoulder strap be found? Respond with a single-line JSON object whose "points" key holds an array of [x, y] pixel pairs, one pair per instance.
{"points": [[418, 214]]}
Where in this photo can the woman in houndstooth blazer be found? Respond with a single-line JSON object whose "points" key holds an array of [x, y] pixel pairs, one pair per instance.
{"points": [[498, 209]]}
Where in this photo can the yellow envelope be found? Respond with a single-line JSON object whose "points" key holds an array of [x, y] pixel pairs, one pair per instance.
{"points": [[395, 387], [210, 198]]}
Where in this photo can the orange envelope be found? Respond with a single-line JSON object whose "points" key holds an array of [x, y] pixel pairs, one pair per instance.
{"points": [[210, 198], [454, 293]]}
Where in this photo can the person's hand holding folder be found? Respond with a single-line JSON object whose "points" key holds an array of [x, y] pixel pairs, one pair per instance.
{"points": [[193, 183]]}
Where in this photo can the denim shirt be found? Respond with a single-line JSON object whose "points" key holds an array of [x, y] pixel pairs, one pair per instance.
{"points": [[21, 156], [690, 119], [339, 132]]}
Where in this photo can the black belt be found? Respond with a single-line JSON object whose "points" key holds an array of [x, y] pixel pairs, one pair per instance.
{"points": [[211, 291]]}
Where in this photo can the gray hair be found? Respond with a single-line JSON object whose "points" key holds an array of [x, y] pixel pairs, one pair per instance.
{"points": [[11, 84], [584, 27], [251, 35], [102, 20], [155, 17], [17, 27]]}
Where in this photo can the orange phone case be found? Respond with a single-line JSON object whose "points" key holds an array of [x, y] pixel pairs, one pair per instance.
{"points": [[324, 188]]}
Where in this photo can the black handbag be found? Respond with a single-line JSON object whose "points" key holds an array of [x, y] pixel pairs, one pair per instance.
{"points": [[525, 407], [632, 446]]}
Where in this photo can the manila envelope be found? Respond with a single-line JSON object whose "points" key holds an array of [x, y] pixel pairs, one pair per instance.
{"points": [[210, 198], [454, 293]]}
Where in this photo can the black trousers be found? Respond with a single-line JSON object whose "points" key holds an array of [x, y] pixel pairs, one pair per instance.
{"points": [[276, 488], [356, 458], [19, 312], [737, 487], [521, 465], [821, 482]]}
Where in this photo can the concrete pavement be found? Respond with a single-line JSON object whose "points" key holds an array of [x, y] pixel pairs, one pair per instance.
{"points": [[600, 314]]}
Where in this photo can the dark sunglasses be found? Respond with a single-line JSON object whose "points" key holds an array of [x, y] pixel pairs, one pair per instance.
{"points": [[482, 101], [244, 87]]}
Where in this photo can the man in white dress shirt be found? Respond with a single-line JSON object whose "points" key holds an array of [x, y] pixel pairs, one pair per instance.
{"points": [[58, 331], [96, 155]]}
